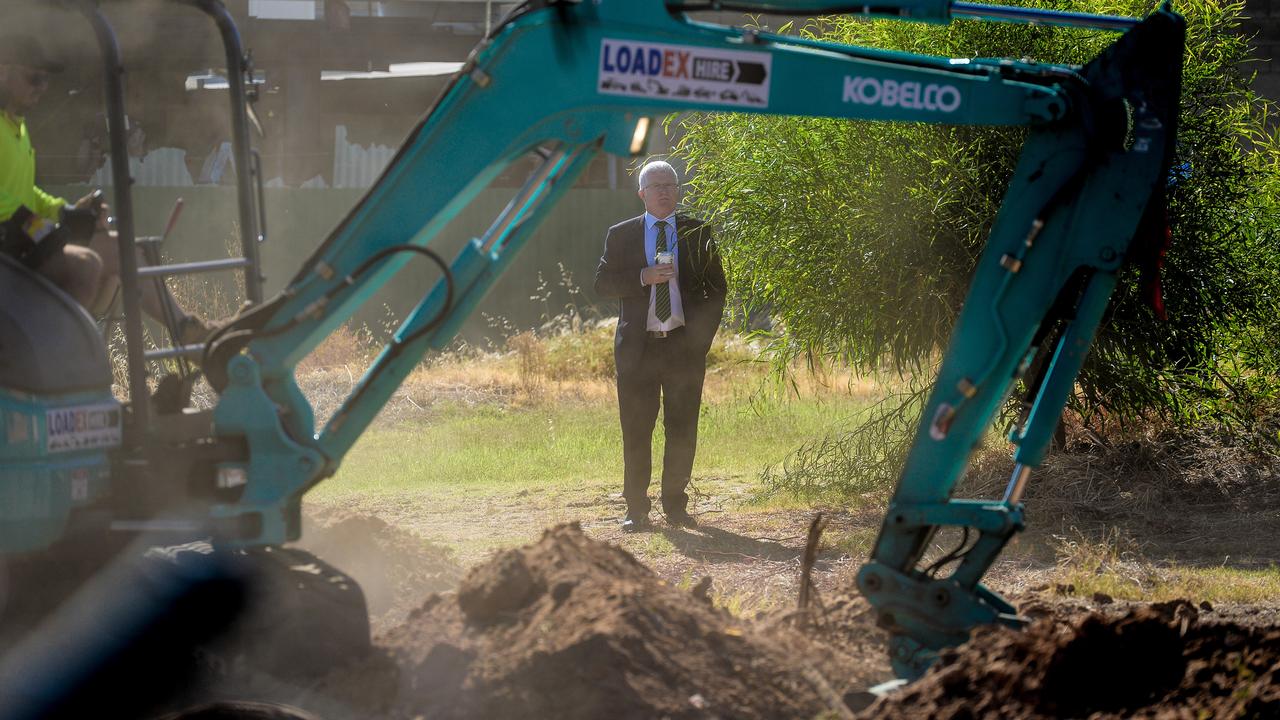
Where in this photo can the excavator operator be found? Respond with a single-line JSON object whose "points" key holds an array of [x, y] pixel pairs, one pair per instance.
{"points": [[68, 243]]}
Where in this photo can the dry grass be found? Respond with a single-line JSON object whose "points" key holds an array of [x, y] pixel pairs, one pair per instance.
{"points": [[346, 348], [1115, 566], [554, 366], [568, 359], [1153, 496]]}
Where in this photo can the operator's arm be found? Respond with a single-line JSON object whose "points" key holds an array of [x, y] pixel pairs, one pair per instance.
{"points": [[46, 205], [17, 186], [614, 278], [41, 203], [79, 217]]}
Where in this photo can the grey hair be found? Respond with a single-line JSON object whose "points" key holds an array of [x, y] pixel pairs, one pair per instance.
{"points": [[656, 166]]}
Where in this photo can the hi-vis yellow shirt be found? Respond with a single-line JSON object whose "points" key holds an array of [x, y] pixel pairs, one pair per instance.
{"points": [[18, 173]]}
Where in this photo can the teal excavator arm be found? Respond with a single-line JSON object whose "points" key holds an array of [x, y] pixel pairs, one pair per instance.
{"points": [[566, 80]]}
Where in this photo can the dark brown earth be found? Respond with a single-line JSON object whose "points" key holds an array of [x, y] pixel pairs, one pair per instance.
{"points": [[1159, 661], [570, 627]]}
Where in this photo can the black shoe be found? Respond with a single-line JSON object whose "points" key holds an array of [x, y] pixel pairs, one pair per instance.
{"points": [[682, 519], [635, 524]]}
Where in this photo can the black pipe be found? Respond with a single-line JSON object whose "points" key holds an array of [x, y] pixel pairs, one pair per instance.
{"points": [[240, 149], [113, 76], [1037, 16], [262, 196]]}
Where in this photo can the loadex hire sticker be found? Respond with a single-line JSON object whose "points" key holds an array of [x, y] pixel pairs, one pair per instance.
{"points": [[685, 73]]}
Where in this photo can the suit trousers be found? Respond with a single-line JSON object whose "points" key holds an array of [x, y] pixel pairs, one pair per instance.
{"points": [[669, 371]]}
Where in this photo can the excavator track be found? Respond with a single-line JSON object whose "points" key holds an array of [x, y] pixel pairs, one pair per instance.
{"points": [[169, 625]]}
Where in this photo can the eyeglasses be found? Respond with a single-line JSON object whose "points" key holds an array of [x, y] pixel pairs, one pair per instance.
{"points": [[665, 187]]}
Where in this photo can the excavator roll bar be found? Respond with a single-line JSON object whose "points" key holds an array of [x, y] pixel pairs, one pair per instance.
{"points": [[122, 184], [248, 179]]}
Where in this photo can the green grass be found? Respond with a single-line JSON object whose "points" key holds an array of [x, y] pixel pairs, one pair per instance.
{"points": [[1090, 567], [493, 448], [1158, 584], [656, 545]]}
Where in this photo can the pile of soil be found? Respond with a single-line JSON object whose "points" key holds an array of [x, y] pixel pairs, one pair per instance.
{"points": [[570, 627], [1158, 661]]}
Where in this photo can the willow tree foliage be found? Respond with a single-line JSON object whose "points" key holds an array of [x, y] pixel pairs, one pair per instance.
{"points": [[860, 238]]}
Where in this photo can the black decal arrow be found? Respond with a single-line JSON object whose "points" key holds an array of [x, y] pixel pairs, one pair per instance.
{"points": [[749, 72]]}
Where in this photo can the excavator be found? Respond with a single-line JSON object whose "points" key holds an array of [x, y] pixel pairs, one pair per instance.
{"points": [[563, 80]]}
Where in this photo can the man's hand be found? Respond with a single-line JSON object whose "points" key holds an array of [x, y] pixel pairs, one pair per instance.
{"points": [[78, 224], [655, 274], [94, 202]]}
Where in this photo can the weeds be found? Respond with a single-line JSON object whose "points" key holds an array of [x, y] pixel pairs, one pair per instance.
{"points": [[347, 348], [862, 463], [531, 354], [196, 294], [1113, 566], [1109, 564], [656, 545], [743, 603]]}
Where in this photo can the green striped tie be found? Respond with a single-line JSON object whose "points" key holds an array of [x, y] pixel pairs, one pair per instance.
{"points": [[662, 300]]}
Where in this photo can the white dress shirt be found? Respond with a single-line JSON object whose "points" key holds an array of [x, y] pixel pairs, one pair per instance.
{"points": [[650, 249]]}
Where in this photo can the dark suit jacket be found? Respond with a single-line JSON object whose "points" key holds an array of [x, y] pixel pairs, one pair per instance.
{"points": [[699, 273]]}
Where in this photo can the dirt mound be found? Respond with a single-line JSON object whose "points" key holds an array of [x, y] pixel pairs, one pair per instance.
{"points": [[396, 569], [1154, 662], [569, 627]]}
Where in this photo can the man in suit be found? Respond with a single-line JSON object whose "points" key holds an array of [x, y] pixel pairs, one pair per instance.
{"points": [[666, 273]]}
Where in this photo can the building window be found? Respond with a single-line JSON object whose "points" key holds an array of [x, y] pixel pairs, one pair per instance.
{"points": [[286, 9]]}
